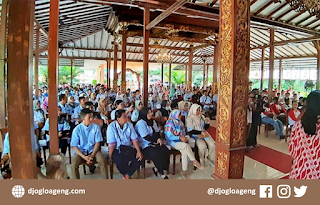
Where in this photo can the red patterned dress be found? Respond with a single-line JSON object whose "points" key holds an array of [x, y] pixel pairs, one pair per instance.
{"points": [[305, 151]]}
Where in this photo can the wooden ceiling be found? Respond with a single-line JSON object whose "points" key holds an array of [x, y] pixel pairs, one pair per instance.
{"points": [[86, 28]]}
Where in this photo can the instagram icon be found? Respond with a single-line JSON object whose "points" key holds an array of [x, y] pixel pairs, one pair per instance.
{"points": [[284, 191]]}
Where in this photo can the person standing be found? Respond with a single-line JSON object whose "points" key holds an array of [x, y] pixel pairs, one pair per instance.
{"points": [[304, 146]]}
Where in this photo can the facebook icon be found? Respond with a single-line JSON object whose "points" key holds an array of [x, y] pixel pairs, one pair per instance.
{"points": [[265, 191]]}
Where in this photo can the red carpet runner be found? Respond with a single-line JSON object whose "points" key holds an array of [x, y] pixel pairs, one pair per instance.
{"points": [[272, 158]]}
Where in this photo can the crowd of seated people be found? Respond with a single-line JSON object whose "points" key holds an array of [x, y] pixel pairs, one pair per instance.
{"points": [[93, 116], [285, 109]]}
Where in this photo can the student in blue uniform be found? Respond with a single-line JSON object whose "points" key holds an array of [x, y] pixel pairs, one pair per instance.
{"points": [[63, 132], [65, 108], [76, 113], [151, 144], [86, 139], [121, 138]]}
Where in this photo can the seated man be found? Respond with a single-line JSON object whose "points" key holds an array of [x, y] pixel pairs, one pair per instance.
{"points": [[121, 138], [85, 140], [206, 102]]}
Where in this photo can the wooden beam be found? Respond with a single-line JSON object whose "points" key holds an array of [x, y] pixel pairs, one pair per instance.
{"points": [[271, 65], [263, 8], [280, 74], [115, 68], [162, 74], [262, 69], [277, 9], [3, 51], [53, 64], [170, 74], [123, 62], [36, 64], [20, 109], [285, 42], [189, 83], [166, 13], [109, 69], [213, 2], [146, 33], [43, 31]]}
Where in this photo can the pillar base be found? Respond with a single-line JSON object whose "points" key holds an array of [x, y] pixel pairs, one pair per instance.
{"points": [[56, 167], [229, 163]]}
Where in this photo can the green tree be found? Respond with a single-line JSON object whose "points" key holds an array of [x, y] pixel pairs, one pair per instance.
{"points": [[64, 75]]}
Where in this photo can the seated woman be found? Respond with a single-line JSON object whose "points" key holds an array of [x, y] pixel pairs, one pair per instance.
{"points": [[293, 114], [304, 146], [119, 104], [63, 132], [102, 109], [268, 117], [196, 127], [175, 134], [151, 144], [121, 136], [135, 114], [38, 114], [165, 108], [184, 107]]}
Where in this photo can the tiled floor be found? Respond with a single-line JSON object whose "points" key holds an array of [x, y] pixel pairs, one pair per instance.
{"points": [[252, 168]]}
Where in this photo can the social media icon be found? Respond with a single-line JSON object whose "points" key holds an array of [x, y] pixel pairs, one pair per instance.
{"points": [[300, 192], [265, 191], [284, 191]]}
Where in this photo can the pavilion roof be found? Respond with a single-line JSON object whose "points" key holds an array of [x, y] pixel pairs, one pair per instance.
{"points": [[86, 28]]}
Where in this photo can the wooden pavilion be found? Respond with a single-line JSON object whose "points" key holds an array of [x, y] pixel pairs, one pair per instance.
{"points": [[224, 34]]}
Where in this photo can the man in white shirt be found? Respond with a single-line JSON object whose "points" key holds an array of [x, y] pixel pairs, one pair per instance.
{"points": [[207, 103]]}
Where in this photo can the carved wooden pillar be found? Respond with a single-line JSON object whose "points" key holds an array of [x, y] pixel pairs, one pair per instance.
{"points": [[115, 68], [280, 74], [20, 109], [3, 51], [109, 69], [262, 69], [146, 33], [216, 67], [53, 63], [234, 42], [317, 45], [271, 65], [102, 66], [189, 83], [123, 61], [36, 64], [186, 75]]}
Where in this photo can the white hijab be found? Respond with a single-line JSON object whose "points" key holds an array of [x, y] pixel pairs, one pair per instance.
{"points": [[194, 120]]}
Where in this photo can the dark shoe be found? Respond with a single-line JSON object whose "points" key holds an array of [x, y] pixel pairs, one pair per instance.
{"points": [[282, 137], [166, 177], [154, 171], [92, 169]]}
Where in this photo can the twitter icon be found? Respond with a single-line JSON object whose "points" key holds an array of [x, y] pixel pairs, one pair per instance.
{"points": [[300, 192]]}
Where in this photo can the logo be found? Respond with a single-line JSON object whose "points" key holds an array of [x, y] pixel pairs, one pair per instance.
{"points": [[284, 191], [18, 191], [265, 191], [300, 192]]}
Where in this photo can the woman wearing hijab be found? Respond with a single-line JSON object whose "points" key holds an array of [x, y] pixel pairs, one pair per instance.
{"points": [[175, 134], [38, 114], [155, 101], [184, 108], [304, 146], [45, 104], [102, 108], [135, 114], [72, 103], [165, 111], [196, 126], [151, 144]]}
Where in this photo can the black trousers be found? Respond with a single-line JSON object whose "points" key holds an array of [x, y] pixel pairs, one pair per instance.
{"points": [[63, 145], [126, 164], [252, 139], [160, 155]]}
